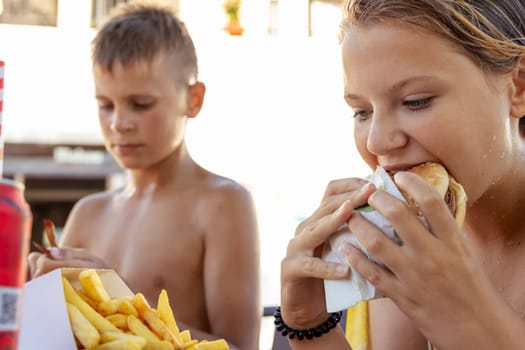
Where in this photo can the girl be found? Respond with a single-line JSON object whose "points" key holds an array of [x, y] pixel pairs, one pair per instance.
{"points": [[426, 80]]}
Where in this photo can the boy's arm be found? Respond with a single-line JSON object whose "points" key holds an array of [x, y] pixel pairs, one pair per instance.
{"points": [[71, 252], [75, 225], [231, 268]]}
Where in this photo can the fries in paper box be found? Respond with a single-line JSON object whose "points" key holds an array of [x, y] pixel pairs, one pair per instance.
{"points": [[104, 315]]}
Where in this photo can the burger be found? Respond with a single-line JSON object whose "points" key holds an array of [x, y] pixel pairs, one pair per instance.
{"points": [[438, 177]]}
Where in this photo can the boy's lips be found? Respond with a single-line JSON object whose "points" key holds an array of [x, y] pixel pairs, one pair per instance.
{"points": [[126, 147]]}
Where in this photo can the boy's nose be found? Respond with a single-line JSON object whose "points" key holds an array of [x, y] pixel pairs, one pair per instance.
{"points": [[120, 122], [385, 135]]}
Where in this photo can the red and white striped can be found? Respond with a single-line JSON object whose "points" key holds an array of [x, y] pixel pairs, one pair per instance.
{"points": [[2, 65], [2, 69], [15, 233]]}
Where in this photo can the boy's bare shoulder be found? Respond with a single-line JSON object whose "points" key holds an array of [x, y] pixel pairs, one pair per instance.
{"points": [[221, 188], [84, 218], [92, 206], [95, 201], [226, 210], [219, 198]]}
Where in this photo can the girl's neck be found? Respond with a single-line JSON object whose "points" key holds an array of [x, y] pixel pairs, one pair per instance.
{"points": [[498, 217]]}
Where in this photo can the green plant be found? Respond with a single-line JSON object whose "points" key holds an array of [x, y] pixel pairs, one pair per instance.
{"points": [[232, 9]]}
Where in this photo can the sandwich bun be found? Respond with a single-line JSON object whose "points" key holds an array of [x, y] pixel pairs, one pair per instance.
{"points": [[452, 192]]}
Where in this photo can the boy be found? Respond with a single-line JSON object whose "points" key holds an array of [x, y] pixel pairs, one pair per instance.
{"points": [[174, 225]]}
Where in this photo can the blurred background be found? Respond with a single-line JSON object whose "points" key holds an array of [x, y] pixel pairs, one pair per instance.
{"points": [[274, 117]]}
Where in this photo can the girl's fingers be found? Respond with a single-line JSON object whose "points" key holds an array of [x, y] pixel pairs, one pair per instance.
{"points": [[312, 267], [313, 233], [376, 243], [357, 198], [433, 207], [340, 186], [407, 225], [377, 275], [337, 193]]}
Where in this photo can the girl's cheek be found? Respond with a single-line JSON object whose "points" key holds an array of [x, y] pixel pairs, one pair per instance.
{"points": [[365, 154]]}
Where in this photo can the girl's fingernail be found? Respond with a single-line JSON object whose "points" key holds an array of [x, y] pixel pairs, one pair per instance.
{"points": [[365, 188], [343, 206], [399, 176], [341, 269], [345, 249]]}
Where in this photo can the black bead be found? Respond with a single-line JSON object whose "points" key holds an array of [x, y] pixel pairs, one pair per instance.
{"points": [[318, 332], [309, 334]]}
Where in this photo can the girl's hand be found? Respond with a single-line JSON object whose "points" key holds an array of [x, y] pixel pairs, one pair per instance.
{"points": [[433, 277], [40, 264], [303, 270]]}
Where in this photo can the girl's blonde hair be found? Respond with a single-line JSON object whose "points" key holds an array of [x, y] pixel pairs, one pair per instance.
{"points": [[491, 32]]}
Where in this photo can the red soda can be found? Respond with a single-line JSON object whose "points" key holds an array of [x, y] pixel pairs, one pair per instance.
{"points": [[15, 233]]}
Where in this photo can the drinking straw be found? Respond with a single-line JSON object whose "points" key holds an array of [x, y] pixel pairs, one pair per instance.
{"points": [[2, 65]]}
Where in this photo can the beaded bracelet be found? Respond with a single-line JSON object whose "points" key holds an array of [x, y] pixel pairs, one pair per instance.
{"points": [[311, 333]]}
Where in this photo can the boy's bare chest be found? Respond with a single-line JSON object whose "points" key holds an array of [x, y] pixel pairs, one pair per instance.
{"points": [[147, 244]]}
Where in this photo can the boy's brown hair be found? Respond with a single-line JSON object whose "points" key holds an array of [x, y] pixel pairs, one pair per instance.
{"points": [[141, 32]]}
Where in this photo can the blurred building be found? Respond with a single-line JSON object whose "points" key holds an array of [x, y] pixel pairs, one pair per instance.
{"points": [[48, 88]]}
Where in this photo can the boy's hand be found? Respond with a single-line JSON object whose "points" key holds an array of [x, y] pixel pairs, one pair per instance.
{"points": [[40, 264]]}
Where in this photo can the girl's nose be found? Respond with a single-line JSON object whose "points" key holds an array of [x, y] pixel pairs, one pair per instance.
{"points": [[385, 135]]}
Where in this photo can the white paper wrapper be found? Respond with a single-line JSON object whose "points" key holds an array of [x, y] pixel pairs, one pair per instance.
{"points": [[341, 294]]}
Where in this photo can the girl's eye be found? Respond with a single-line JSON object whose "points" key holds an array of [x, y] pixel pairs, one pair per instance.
{"points": [[361, 114], [105, 107], [419, 103]]}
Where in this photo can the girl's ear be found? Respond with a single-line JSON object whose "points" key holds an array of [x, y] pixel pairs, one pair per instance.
{"points": [[518, 93], [196, 94]]}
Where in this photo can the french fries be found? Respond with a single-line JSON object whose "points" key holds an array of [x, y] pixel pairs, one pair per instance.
{"points": [[85, 332], [92, 285], [50, 233], [102, 322], [49, 230]]}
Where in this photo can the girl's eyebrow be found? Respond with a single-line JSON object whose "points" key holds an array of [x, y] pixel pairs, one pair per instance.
{"points": [[410, 80], [396, 86], [351, 97]]}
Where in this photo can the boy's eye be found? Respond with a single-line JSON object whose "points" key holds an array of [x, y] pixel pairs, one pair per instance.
{"points": [[141, 105], [419, 103]]}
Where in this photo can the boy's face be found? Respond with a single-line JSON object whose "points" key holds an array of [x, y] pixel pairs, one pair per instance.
{"points": [[416, 97], [142, 112]]}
